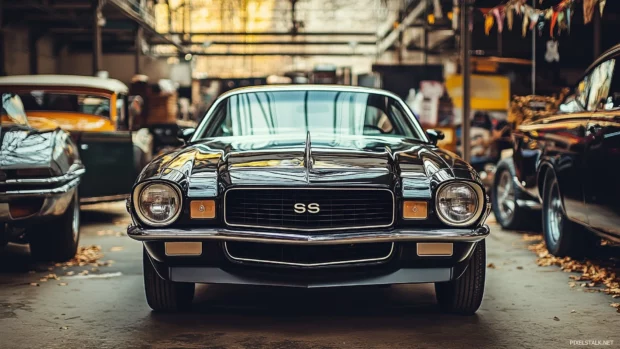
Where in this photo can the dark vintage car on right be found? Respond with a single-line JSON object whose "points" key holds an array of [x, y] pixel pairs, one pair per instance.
{"points": [[566, 165]]}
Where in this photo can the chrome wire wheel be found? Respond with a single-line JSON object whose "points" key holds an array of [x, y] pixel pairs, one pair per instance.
{"points": [[555, 214], [506, 196]]}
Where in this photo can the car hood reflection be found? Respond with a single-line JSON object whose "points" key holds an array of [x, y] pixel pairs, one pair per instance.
{"points": [[335, 160]]}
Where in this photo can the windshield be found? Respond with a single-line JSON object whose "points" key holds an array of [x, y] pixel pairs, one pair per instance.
{"points": [[332, 112], [66, 102]]}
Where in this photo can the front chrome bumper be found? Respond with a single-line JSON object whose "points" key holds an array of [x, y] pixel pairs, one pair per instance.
{"points": [[394, 235], [55, 199]]}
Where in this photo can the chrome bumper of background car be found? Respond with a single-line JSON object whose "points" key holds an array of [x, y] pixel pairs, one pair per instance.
{"points": [[38, 192], [448, 235], [68, 177], [55, 200]]}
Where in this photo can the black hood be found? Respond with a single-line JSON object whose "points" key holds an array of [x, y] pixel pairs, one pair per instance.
{"points": [[335, 160]]}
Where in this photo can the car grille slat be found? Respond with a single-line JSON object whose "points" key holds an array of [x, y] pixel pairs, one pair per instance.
{"points": [[273, 208]]}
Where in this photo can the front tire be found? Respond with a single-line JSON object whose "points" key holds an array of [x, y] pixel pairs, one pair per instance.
{"points": [[504, 198], [563, 237], [463, 296], [164, 295], [57, 240]]}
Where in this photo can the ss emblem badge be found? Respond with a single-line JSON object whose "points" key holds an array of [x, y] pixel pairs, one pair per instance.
{"points": [[310, 208]]}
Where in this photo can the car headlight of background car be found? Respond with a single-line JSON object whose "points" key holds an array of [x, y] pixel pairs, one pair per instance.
{"points": [[157, 203], [459, 203]]}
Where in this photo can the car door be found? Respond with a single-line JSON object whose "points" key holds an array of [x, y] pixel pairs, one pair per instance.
{"points": [[109, 161], [110, 158], [562, 140], [602, 186]]}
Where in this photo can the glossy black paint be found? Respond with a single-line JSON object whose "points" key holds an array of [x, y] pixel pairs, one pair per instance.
{"points": [[39, 167], [410, 169], [582, 149]]}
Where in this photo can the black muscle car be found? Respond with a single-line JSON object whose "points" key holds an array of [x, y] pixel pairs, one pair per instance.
{"points": [[310, 186], [567, 165], [40, 171]]}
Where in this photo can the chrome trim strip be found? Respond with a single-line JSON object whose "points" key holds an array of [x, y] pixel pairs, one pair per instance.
{"points": [[308, 162], [531, 204], [34, 181], [482, 200], [357, 261], [437, 235], [319, 229], [107, 198], [41, 192]]}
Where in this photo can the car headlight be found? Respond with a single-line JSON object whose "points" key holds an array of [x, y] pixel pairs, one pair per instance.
{"points": [[157, 204], [459, 204]]}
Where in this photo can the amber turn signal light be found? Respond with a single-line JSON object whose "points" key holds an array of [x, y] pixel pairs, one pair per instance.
{"points": [[415, 209], [202, 209]]}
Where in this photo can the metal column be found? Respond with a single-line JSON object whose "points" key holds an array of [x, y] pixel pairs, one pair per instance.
{"points": [[534, 55], [466, 72], [596, 22], [2, 67], [97, 45], [138, 52], [426, 30]]}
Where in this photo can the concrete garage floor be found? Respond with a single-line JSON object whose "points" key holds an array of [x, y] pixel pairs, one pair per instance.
{"points": [[518, 310]]}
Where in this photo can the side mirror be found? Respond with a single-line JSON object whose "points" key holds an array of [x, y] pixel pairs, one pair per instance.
{"points": [[186, 134], [435, 136]]}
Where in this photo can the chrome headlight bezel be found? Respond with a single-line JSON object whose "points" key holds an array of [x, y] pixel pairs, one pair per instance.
{"points": [[479, 207], [137, 207]]}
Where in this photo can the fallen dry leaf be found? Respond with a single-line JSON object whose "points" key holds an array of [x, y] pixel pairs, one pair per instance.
{"points": [[491, 266], [556, 318], [117, 248], [34, 284], [592, 273], [69, 273], [520, 268], [62, 284]]}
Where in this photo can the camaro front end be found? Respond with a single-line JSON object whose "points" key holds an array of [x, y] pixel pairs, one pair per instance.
{"points": [[361, 196]]}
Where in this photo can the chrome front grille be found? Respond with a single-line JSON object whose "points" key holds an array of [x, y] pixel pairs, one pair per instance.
{"points": [[274, 208]]}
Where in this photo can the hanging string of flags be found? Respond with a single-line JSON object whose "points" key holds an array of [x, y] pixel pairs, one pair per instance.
{"points": [[559, 16]]}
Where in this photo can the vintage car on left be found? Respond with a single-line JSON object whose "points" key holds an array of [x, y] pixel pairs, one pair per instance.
{"points": [[40, 171], [96, 112]]}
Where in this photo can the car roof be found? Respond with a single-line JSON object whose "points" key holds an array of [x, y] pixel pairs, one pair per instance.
{"points": [[308, 87], [611, 53], [111, 85]]}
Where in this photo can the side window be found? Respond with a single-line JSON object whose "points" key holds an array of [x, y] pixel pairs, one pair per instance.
{"points": [[613, 98], [600, 85], [576, 102]]}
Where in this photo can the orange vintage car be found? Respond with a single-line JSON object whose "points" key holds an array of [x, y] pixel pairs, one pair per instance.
{"points": [[95, 111]]}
